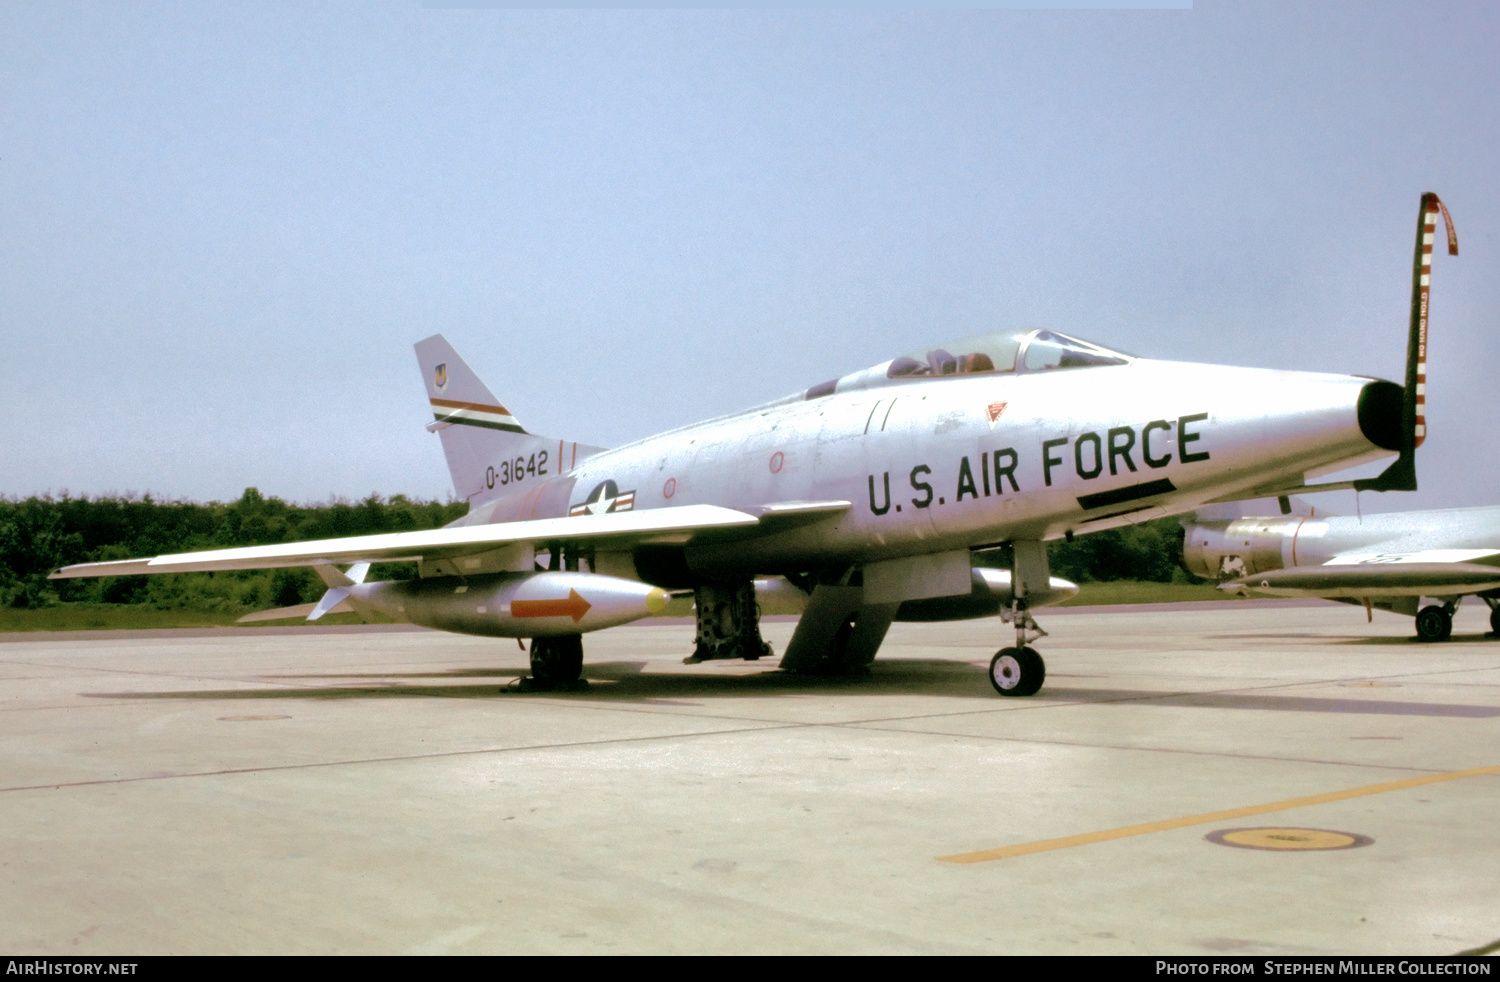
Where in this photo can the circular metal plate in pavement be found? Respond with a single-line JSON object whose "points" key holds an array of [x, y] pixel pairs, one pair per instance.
{"points": [[1285, 839]]}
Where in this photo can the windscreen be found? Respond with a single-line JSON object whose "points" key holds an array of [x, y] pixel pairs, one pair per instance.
{"points": [[1049, 350]]}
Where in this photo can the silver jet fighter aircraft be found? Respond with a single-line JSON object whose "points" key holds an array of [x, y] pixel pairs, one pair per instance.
{"points": [[856, 502], [1388, 561]]}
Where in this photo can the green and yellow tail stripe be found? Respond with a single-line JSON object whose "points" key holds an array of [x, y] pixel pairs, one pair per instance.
{"points": [[475, 414]]}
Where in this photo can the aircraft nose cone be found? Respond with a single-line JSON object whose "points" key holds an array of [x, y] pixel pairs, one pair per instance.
{"points": [[1380, 409]]}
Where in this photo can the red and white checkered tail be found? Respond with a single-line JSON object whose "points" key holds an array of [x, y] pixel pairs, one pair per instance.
{"points": [[1416, 351]]}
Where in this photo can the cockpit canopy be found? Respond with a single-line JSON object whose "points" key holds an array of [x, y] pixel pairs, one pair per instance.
{"points": [[1001, 351], [994, 353]]}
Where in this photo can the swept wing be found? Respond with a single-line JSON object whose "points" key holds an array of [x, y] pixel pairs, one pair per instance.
{"points": [[1425, 557], [660, 525], [1372, 571], [1394, 579]]}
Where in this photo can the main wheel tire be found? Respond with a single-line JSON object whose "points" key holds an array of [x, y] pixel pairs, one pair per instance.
{"points": [[1434, 623], [837, 660], [1495, 620], [558, 660], [1017, 672]]}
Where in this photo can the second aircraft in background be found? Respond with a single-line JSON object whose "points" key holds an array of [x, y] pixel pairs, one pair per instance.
{"points": [[1388, 561]]}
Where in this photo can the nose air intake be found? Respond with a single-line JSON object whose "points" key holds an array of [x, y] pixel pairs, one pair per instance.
{"points": [[1380, 409]]}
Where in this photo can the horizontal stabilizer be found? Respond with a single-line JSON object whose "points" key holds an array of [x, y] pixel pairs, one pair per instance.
{"points": [[278, 614]]}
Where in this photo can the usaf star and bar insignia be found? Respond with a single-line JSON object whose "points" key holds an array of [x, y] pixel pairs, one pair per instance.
{"points": [[603, 500]]}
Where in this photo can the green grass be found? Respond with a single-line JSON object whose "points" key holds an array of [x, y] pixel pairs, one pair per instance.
{"points": [[114, 617], [1135, 592]]}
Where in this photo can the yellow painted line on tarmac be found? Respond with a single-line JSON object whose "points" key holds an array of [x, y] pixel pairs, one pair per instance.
{"points": [[1087, 838]]}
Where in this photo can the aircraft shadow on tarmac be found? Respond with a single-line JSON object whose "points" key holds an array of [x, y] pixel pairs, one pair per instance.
{"points": [[625, 681], [613, 681], [1402, 639], [1275, 703]]}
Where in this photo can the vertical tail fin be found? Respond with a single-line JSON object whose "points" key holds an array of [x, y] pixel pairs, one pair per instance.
{"points": [[1416, 357], [1401, 475], [489, 453]]}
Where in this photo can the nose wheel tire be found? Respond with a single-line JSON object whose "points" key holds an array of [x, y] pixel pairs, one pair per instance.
{"points": [[1017, 671], [1434, 623]]}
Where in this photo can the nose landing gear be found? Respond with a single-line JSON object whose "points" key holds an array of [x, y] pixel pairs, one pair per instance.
{"points": [[1019, 671]]}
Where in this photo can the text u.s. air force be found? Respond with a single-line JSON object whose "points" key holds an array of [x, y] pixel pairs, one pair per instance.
{"points": [[1116, 451]]}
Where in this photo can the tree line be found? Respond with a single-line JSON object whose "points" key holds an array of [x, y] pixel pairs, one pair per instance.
{"points": [[39, 534]]}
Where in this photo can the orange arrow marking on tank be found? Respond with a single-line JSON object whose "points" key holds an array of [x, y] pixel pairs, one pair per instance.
{"points": [[574, 606]]}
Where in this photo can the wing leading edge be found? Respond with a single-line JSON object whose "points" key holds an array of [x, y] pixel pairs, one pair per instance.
{"points": [[662, 525]]}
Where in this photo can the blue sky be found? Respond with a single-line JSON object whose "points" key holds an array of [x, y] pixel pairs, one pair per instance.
{"points": [[223, 226]]}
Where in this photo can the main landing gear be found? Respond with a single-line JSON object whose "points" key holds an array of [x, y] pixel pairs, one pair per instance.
{"points": [[1494, 615], [728, 623], [1435, 622], [1019, 671], [556, 663]]}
